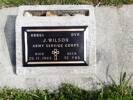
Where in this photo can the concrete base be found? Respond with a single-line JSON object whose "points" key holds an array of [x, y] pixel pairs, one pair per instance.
{"points": [[114, 51]]}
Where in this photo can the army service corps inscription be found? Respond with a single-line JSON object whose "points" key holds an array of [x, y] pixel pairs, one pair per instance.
{"points": [[53, 46]]}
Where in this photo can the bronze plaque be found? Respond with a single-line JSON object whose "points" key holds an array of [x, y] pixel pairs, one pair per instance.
{"points": [[53, 46]]}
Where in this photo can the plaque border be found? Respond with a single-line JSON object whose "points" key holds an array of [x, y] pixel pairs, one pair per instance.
{"points": [[50, 63]]}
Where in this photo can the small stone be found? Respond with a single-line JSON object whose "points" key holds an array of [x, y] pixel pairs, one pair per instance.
{"points": [[27, 14], [48, 13]]}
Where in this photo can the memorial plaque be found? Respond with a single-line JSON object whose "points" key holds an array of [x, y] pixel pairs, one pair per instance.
{"points": [[54, 46]]}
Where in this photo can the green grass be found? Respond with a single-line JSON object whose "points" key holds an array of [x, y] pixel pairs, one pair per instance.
{"points": [[8, 3], [64, 92], [67, 92], [119, 91]]}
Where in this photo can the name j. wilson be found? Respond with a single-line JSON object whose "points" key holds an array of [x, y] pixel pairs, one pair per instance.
{"points": [[55, 40]]}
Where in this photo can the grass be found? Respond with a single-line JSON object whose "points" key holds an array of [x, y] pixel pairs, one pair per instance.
{"points": [[9, 3], [115, 91], [67, 92], [64, 92]]}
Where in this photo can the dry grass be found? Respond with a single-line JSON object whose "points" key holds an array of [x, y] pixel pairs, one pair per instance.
{"points": [[9, 3]]}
